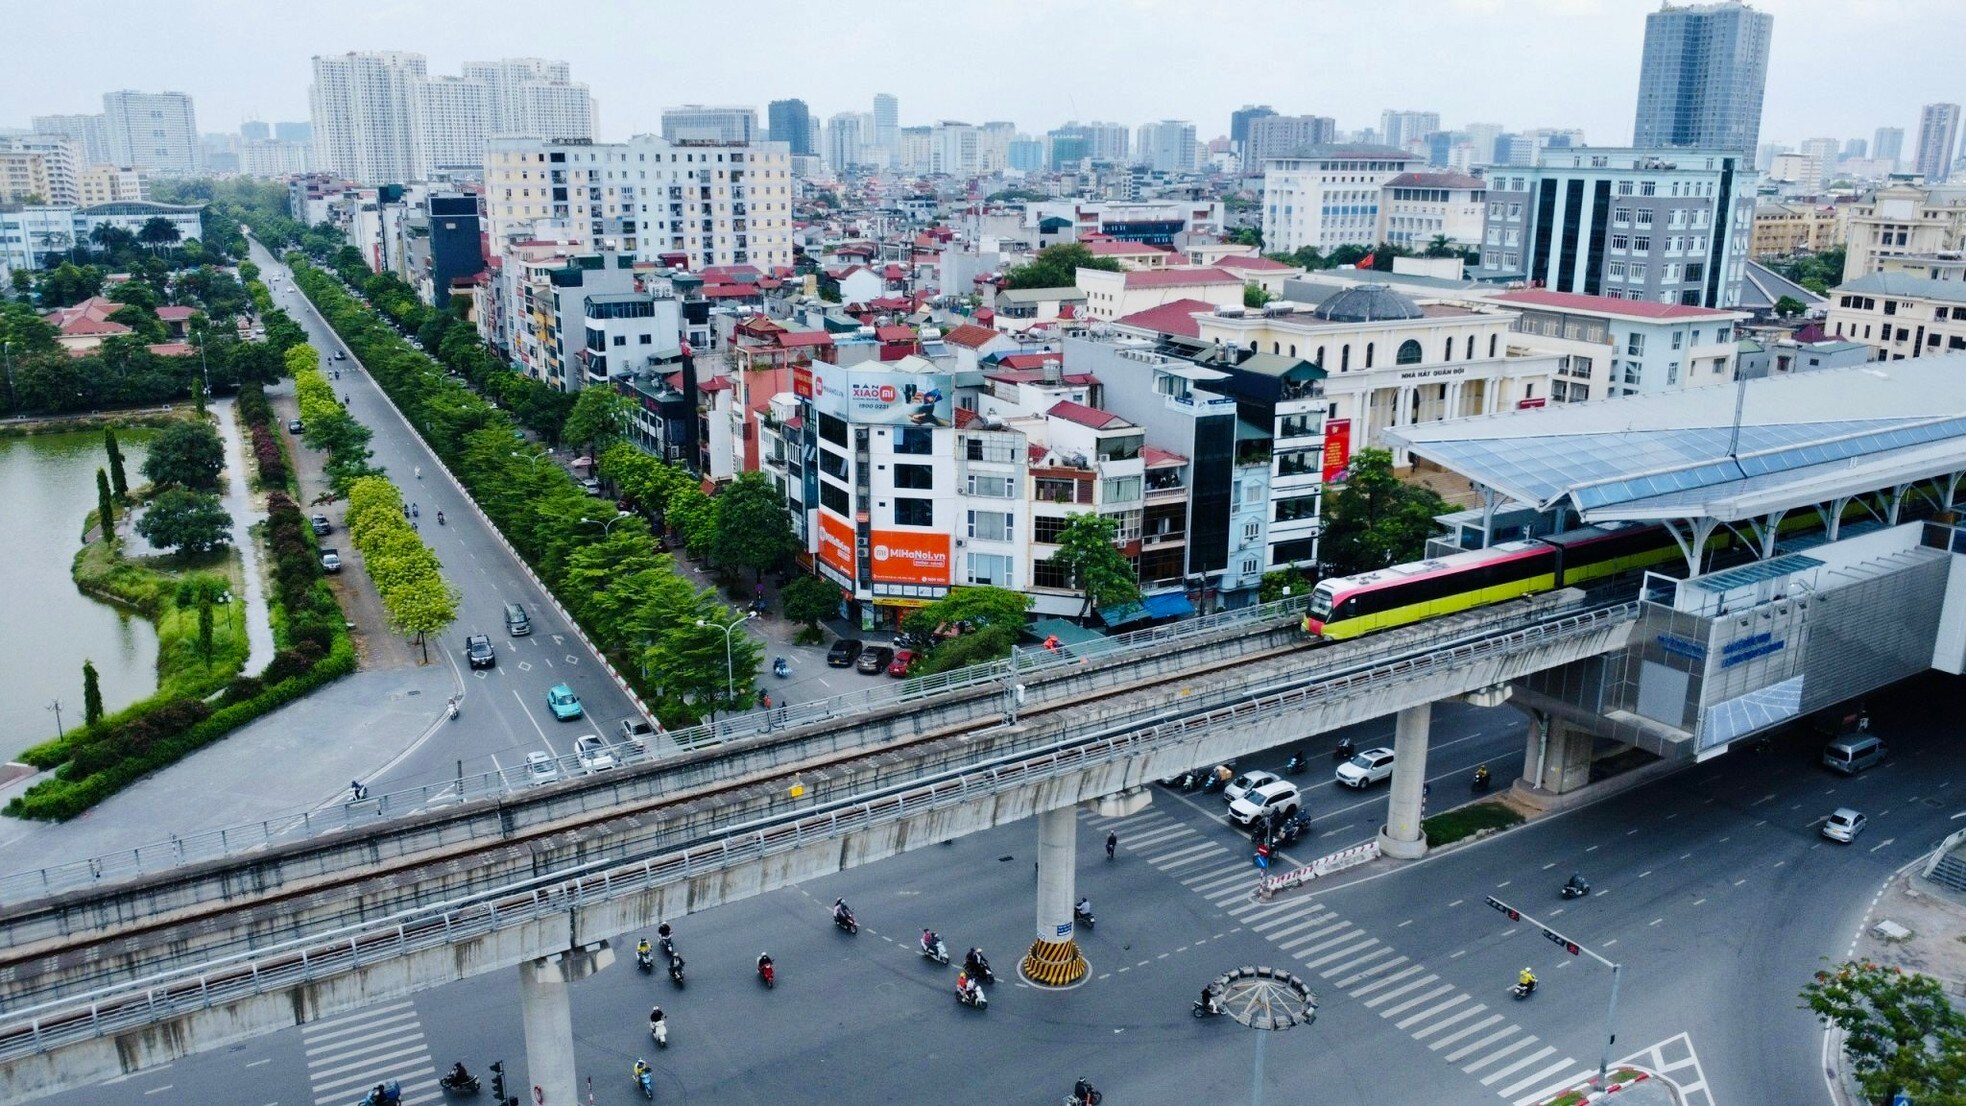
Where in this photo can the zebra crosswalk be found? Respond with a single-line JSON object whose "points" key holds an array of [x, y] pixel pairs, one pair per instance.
{"points": [[347, 1056], [1502, 1056]]}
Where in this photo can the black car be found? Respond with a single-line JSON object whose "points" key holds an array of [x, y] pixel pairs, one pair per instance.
{"points": [[874, 660], [320, 523], [295, 425], [478, 648], [843, 653]]}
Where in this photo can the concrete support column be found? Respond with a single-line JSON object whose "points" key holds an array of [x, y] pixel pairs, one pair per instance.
{"points": [[548, 1020], [1557, 758], [1054, 959], [1401, 837]]}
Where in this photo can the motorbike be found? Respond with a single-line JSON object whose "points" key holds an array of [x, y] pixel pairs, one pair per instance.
{"points": [[1217, 780], [440, 518], [766, 972], [972, 996], [1480, 781], [676, 969], [1210, 1010], [1091, 1097], [660, 1032], [779, 668], [936, 951], [1295, 764], [453, 709], [847, 922], [451, 1083], [1523, 990], [386, 1094], [1082, 913], [1576, 889], [1192, 780], [644, 961], [979, 970], [645, 1078], [1293, 830], [1344, 750]]}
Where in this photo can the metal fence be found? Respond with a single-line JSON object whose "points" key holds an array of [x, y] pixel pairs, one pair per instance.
{"points": [[672, 850]]}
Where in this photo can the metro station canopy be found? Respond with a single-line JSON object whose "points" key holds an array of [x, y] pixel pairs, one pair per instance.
{"points": [[1802, 440]]}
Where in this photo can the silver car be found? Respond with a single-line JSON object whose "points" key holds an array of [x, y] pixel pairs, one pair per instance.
{"points": [[593, 753], [541, 768], [1843, 825]]}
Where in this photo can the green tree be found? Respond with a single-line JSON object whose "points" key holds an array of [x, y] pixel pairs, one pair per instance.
{"points": [[1376, 520], [421, 607], [1255, 295], [158, 231], [599, 419], [91, 694], [696, 675], [105, 507], [205, 627], [67, 284], [1284, 583], [753, 528], [1788, 307], [187, 455], [1095, 565], [810, 600], [1057, 267], [1900, 1031], [1247, 236], [188, 521], [989, 619], [118, 482]]}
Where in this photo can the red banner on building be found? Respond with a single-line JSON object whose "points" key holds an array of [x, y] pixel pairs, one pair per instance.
{"points": [[1337, 449], [802, 381]]}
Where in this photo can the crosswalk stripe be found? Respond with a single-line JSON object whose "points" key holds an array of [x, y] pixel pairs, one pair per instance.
{"points": [[1264, 911], [1483, 1061], [1415, 1019], [1387, 996], [1371, 985], [1424, 996], [1293, 944], [1495, 1077], [394, 1032], [1469, 1050], [362, 1014], [1353, 951], [369, 1053], [1239, 891], [1546, 1089], [1157, 836], [1350, 935], [1283, 927], [1459, 1033], [378, 1069], [339, 1029], [1185, 854], [414, 1094], [1208, 883]]}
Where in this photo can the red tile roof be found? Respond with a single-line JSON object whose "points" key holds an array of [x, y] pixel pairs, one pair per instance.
{"points": [[171, 349], [894, 334], [85, 327], [1160, 458], [1036, 376], [801, 339], [715, 384], [729, 274], [1253, 263], [894, 272], [1179, 277], [1643, 309], [970, 336], [965, 416], [1106, 247], [728, 291], [176, 313], [1086, 416], [1169, 318]]}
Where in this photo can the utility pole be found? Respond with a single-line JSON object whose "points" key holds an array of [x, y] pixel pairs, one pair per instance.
{"points": [[1575, 949], [56, 707]]}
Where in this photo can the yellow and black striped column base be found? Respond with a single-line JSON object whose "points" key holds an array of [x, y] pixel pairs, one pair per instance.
{"points": [[1054, 963]]}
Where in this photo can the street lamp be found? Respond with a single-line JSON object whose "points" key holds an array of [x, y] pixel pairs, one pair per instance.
{"points": [[730, 671], [7, 361], [609, 525]]}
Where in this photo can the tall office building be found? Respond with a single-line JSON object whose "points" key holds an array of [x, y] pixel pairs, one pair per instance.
{"points": [[1239, 121], [1399, 129], [1938, 131], [843, 141], [1702, 75], [1271, 136], [1856, 147], [364, 108], [790, 122], [157, 131], [252, 130], [1667, 227], [953, 149], [887, 123], [451, 117], [700, 123], [88, 130], [1888, 144], [1168, 146]]}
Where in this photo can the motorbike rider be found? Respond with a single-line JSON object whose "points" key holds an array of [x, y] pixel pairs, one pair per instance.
{"points": [[973, 961], [1083, 1090], [642, 1069], [656, 1017], [440, 516], [1575, 884], [1083, 908], [841, 912], [764, 963], [1526, 980], [929, 941], [642, 951], [1208, 1003], [1481, 774], [459, 1077]]}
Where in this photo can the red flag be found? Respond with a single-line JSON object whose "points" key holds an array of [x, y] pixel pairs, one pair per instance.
{"points": [[1364, 262]]}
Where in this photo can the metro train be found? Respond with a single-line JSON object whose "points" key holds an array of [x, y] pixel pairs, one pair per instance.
{"points": [[1349, 606]]}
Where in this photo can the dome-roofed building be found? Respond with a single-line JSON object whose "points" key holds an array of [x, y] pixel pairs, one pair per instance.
{"points": [[1367, 303]]}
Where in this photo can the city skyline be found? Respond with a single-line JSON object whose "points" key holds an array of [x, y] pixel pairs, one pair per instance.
{"points": [[70, 64]]}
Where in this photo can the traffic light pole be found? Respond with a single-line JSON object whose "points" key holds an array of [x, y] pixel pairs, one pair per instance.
{"points": [[1575, 949]]}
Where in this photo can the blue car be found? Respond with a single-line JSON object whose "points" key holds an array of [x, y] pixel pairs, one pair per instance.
{"points": [[565, 704]]}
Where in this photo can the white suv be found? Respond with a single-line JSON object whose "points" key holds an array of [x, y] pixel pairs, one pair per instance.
{"points": [[1247, 782], [593, 753], [1277, 799], [1366, 769]]}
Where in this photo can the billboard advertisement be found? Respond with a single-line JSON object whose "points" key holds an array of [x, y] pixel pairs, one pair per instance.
{"points": [[873, 397], [908, 557], [802, 381], [836, 544], [1337, 449]]}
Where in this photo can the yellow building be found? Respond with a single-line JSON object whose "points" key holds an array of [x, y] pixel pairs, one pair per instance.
{"points": [[1781, 229]]}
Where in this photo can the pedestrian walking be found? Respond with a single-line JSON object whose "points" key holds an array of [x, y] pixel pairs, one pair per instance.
{"points": [[356, 792], [1112, 842]]}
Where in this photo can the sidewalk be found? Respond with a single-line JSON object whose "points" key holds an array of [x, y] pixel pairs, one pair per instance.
{"points": [[810, 679]]}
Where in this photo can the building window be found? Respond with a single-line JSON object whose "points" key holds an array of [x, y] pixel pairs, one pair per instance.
{"points": [[1672, 372], [991, 487], [1046, 529], [1678, 336], [913, 440], [914, 512], [992, 526], [1644, 216], [1642, 245], [1635, 344], [990, 568], [1345, 357], [1624, 188], [1409, 353], [915, 477], [832, 429], [1368, 354], [1044, 574], [1250, 532], [833, 498], [1121, 489], [1621, 215], [1621, 242]]}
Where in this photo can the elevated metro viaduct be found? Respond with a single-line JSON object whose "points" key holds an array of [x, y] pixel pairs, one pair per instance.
{"points": [[119, 978]]}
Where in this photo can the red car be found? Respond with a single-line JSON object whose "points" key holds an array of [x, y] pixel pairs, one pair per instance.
{"points": [[898, 668]]}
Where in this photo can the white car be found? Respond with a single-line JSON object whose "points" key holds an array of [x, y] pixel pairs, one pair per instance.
{"points": [[541, 768], [593, 753], [1247, 782], [1278, 799], [1366, 769], [1843, 825]]}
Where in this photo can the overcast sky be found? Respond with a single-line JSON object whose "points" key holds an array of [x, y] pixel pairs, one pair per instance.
{"points": [[1839, 67]]}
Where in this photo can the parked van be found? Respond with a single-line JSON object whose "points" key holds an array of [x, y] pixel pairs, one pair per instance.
{"points": [[516, 622], [1852, 754]]}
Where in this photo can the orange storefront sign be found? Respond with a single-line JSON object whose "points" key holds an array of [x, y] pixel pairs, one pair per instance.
{"points": [[836, 544], [907, 557]]}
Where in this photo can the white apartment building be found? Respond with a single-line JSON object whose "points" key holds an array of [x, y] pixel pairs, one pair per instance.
{"points": [[533, 96], [273, 158], [695, 204], [1609, 347], [917, 149], [843, 142], [1168, 146], [954, 149], [1899, 315], [1328, 196], [1903, 220], [157, 131], [364, 108], [1416, 207], [44, 168], [89, 130], [451, 118], [703, 123]]}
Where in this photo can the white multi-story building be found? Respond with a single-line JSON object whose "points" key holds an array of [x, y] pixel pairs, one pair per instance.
{"points": [[157, 131], [993, 146], [1169, 146], [1416, 207], [917, 149], [702, 123], [451, 117], [42, 168], [533, 96], [887, 123], [1608, 347], [1401, 129], [104, 184], [1902, 220], [273, 158], [953, 149], [89, 130], [696, 203], [1328, 196], [364, 108], [841, 148]]}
